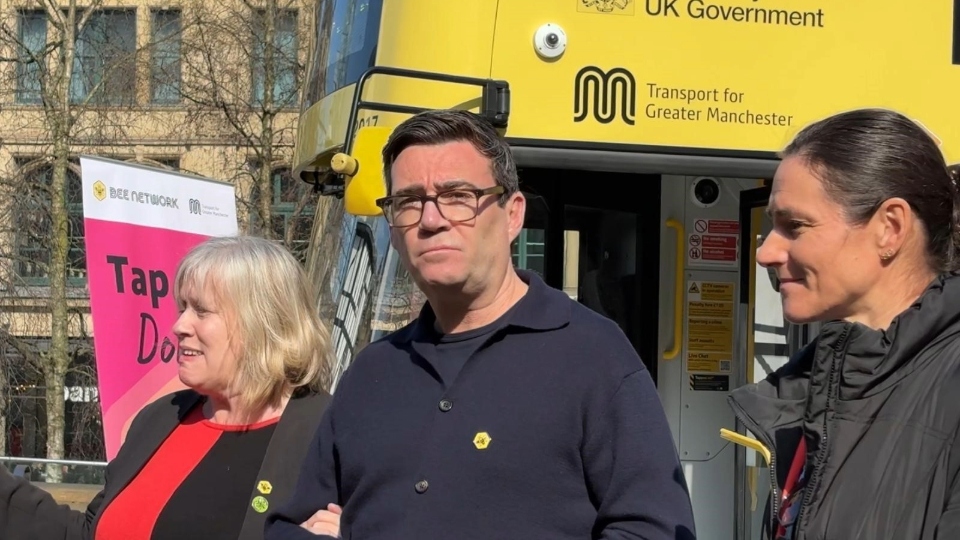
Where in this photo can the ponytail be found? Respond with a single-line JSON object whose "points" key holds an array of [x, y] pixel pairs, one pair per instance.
{"points": [[954, 256]]}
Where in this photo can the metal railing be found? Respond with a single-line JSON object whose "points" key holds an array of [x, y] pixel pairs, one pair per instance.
{"points": [[25, 467]]}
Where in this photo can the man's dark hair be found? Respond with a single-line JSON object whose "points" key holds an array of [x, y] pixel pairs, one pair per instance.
{"points": [[449, 125]]}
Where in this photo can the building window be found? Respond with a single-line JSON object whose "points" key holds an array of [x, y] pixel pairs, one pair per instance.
{"points": [[293, 212], [171, 163], [104, 65], [32, 212], [32, 32], [284, 51], [165, 68], [293, 205]]}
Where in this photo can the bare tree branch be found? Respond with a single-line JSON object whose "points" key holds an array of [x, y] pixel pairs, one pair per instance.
{"points": [[237, 75], [43, 312], [222, 44]]}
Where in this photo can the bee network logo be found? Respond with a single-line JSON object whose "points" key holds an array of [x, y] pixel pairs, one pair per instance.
{"points": [[99, 190]]}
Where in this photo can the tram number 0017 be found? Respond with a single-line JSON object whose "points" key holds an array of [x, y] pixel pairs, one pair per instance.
{"points": [[368, 121]]}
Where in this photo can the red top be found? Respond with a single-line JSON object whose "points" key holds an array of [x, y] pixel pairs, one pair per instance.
{"points": [[198, 484], [790, 499]]}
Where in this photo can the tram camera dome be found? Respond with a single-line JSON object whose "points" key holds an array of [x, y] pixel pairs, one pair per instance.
{"points": [[550, 41], [706, 191]]}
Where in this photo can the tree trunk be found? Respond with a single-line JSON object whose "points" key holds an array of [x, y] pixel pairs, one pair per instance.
{"points": [[56, 421], [4, 400], [57, 358], [265, 194], [265, 179], [31, 425], [55, 367]]}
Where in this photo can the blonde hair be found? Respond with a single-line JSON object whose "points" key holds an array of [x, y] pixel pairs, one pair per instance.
{"points": [[269, 303]]}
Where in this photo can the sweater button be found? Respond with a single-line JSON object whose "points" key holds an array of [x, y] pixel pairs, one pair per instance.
{"points": [[421, 486], [445, 405]]}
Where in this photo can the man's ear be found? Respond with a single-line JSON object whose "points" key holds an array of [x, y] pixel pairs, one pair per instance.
{"points": [[516, 213]]}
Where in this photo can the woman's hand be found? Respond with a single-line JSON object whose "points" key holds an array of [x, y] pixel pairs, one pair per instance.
{"points": [[325, 522]]}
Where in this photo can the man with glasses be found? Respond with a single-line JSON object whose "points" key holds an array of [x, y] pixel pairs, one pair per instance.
{"points": [[506, 410]]}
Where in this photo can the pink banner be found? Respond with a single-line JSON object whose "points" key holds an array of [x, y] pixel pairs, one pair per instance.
{"points": [[131, 299], [138, 225]]}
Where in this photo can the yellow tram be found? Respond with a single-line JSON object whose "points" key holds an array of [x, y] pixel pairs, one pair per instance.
{"points": [[685, 101]]}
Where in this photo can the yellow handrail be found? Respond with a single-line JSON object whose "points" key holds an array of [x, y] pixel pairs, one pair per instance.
{"points": [[743, 440], [674, 351]]}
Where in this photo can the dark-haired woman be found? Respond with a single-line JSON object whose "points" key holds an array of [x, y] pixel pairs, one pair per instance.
{"points": [[863, 422]]}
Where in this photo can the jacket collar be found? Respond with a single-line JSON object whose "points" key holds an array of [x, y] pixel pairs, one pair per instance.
{"points": [[541, 308], [280, 469], [877, 359], [869, 361]]}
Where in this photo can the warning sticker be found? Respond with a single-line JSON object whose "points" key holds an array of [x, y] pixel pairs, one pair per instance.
{"points": [[714, 242], [710, 326], [708, 309], [709, 361], [723, 226], [720, 292], [710, 383]]}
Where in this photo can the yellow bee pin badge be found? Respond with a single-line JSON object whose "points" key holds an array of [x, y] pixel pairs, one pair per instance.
{"points": [[482, 440]]}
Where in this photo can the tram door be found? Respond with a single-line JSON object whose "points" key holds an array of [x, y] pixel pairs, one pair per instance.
{"points": [[670, 267], [582, 235], [712, 298], [767, 341]]}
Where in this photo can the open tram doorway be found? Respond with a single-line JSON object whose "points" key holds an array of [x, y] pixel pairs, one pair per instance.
{"points": [[595, 235]]}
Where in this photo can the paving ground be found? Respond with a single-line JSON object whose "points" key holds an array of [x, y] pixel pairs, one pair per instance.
{"points": [[77, 496]]}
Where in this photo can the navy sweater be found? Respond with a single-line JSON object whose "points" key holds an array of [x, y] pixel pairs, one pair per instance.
{"points": [[552, 430]]}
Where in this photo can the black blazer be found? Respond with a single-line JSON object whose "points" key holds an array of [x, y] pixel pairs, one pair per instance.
{"points": [[29, 513]]}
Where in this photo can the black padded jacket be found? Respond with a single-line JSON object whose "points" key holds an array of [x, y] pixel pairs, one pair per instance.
{"points": [[880, 411]]}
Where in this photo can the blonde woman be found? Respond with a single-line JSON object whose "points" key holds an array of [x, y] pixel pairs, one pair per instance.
{"points": [[208, 462]]}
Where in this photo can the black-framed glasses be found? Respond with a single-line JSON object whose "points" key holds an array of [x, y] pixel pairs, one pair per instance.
{"points": [[455, 205]]}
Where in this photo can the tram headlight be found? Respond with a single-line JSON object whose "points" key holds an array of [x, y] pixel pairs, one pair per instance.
{"points": [[550, 41]]}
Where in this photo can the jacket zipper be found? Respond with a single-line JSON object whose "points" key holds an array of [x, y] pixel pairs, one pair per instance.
{"points": [[815, 473], [755, 429]]}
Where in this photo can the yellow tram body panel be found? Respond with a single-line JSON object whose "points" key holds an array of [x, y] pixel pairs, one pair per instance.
{"points": [[674, 76]]}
